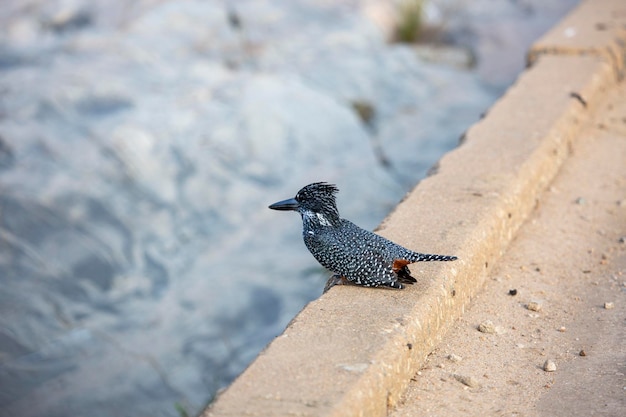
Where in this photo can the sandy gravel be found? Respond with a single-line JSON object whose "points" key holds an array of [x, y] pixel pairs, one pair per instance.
{"points": [[556, 301]]}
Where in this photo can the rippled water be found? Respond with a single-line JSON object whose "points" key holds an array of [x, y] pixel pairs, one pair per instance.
{"points": [[140, 145]]}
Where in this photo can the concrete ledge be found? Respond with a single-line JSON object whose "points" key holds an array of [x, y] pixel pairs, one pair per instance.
{"points": [[594, 28], [353, 351]]}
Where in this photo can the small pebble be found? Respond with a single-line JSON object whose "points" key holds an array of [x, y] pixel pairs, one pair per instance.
{"points": [[454, 358], [467, 380], [549, 366], [609, 305], [513, 292], [487, 327], [582, 353], [533, 306], [580, 201], [562, 329]]}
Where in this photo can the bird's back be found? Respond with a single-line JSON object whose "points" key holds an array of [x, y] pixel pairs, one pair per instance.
{"points": [[359, 255]]}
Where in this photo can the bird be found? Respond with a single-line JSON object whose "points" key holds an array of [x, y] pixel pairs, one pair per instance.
{"points": [[354, 255]]}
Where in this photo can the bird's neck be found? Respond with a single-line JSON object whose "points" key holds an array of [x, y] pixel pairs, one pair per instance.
{"points": [[316, 219]]}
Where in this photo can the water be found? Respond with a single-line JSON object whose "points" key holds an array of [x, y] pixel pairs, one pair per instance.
{"points": [[140, 145]]}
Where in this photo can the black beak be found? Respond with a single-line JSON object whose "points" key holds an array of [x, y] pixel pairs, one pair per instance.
{"points": [[285, 205]]}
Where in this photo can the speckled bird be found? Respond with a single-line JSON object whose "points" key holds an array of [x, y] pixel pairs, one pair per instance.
{"points": [[354, 255]]}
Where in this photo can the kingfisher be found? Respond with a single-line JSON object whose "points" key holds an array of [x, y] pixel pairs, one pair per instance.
{"points": [[355, 256]]}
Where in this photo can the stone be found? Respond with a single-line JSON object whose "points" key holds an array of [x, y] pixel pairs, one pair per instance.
{"points": [[549, 366]]}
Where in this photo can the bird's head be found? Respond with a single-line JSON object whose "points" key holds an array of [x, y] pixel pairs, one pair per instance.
{"points": [[315, 201]]}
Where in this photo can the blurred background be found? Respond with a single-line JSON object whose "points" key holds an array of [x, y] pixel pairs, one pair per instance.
{"points": [[141, 143]]}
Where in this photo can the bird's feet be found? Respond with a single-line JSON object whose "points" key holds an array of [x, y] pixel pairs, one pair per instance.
{"points": [[336, 279]]}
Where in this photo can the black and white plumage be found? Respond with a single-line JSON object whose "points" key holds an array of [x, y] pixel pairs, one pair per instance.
{"points": [[355, 255]]}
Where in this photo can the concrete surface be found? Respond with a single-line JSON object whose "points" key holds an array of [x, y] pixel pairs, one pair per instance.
{"points": [[594, 28], [570, 259], [354, 351]]}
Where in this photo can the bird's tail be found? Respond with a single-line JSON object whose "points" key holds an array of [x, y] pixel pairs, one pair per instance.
{"points": [[425, 257]]}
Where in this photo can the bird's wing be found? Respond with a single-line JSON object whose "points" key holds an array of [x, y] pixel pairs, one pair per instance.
{"points": [[371, 268], [369, 258]]}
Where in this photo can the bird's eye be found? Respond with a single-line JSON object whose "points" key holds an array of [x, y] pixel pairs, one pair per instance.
{"points": [[298, 197]]}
